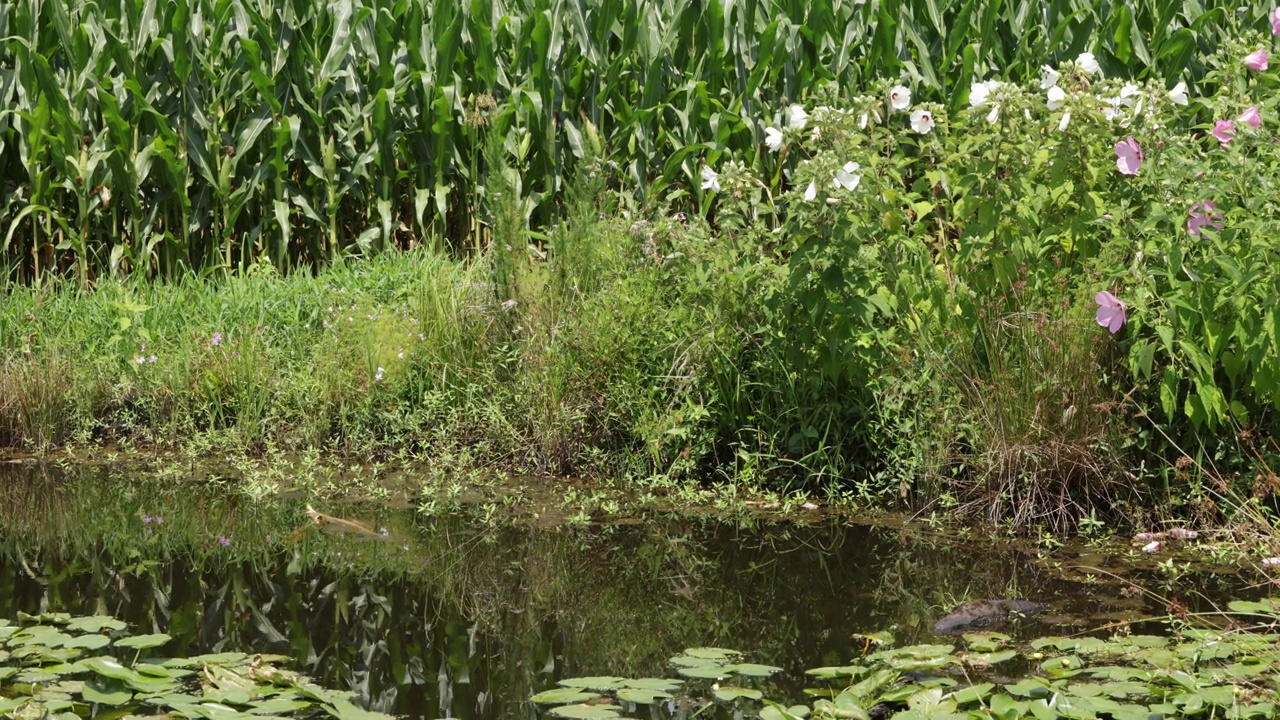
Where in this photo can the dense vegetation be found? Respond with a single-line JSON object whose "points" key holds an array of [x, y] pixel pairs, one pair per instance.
{"points": [[1036, 295], [156, 137]]}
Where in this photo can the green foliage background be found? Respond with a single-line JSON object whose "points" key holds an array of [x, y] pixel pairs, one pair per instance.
{"points": [[155, 135]]}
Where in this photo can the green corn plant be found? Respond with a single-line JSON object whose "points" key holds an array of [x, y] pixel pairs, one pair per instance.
{"points": [[224, 131]]}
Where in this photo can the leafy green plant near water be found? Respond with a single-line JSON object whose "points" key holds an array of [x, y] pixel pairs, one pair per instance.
{"points": [[1197, 672], [59, 666]]}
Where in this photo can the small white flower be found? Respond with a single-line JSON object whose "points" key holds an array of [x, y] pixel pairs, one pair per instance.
{"points": [[710, 179], [811, 192], [1270, 562], [140, 360], [1066, 120], [978, 94], [1128, 92], [1088, 63], [921, 120], [900, 97], [773, 139], [1179, 92], [1048, 77], [846, 178], [1057, 97], [797, 117], [994, 115], [862, 122], [1111, 110], [378, 377]]}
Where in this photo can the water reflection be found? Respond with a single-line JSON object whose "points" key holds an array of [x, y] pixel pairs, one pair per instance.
{"points": [[459, 616]]}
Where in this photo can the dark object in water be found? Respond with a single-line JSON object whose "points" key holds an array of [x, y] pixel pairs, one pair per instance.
{"points": [[985, 613]]}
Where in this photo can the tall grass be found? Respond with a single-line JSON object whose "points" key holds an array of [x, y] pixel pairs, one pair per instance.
{"points": [[140, 136]]}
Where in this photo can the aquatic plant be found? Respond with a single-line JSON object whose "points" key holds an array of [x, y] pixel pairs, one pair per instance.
{"points": [[1199, 671], [57, 663]]}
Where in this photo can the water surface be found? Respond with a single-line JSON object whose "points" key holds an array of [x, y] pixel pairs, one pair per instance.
{"points": [[466, 614]]}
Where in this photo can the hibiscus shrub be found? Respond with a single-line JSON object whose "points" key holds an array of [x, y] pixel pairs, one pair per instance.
{"points": [[1125, 219]]}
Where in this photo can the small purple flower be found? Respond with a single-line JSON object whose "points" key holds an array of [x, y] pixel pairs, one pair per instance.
{"points": [[1202, 214], [217, 339], [1110, 311], [1129, 156], [140, 360], [1251, 117], [224, 541], [152, 359], [1224, 131], [146, 519], [1270, 562]]}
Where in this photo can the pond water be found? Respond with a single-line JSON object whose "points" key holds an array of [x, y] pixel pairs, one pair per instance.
{"points": [[467, 613]]}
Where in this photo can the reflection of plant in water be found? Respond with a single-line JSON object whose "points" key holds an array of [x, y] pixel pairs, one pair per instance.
{"points": [[458, 609]]}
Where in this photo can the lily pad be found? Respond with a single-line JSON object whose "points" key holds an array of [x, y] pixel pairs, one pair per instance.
{"points": [[753, 669], [559, 696], [641, 696], [729, 693], [587, 712], [96, 624], [89, 642], [144, 642], [709, 673], [106, 694], [712, 653], [599, 682], [655, 684], [986, 642], [832, 672], [972, 694]]}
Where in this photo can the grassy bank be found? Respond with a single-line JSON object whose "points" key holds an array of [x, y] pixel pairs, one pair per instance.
{"points": [[416, 353]]}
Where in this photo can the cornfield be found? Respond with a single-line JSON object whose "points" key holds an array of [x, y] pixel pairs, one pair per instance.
{"points": [[167, 136]]}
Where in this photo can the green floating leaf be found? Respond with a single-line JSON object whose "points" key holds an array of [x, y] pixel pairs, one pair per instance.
{"points": [[559, 696], [655, 684], [1258, 607], [986, 642], [706, 673], [346, 710], [278, 706], [987, 659], [688, 661], [600, 682], [96, 624], [729, 693], [773, 711], [837, 671], [224, 659], [144, 642], [57, 618], [586, 712], [106, 694], [972, 694], [641, 696], [752, 669], [89, 642], [712, 653]]}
